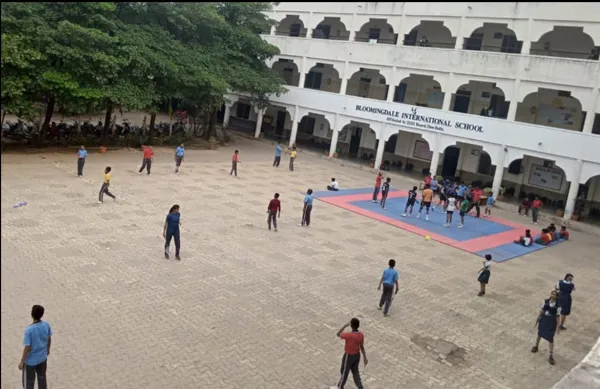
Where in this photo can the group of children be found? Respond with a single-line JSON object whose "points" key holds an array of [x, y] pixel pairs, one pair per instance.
{"points": [[548, 235]]}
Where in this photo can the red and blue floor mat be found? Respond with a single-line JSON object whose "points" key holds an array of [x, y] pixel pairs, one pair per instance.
{"points": [[479, 236]]}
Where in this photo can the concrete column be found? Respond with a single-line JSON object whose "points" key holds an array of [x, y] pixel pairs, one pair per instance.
{"points": [[526, 48], [447, 100], [591, 114], [379, 155], [435, 158], [295, 126], [499, 172], [334, 136], [273, 29], [391, 89], [344, 78], [302, 73], [573, 189], [309, 30], [259, 121], [227, 116], [352, 27], [459, 38], [512, 108]]}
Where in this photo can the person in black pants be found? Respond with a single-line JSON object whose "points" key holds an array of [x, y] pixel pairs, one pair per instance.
{"points": [[354, 345], [388, 280], [81, 156], [385, 190], [37, 341], [171, 231]]}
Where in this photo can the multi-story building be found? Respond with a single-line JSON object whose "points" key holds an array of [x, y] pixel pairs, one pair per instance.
{"points": [[502, 93]]}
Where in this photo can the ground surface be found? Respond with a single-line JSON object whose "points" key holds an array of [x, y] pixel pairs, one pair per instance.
{"points": [[249, 308]]}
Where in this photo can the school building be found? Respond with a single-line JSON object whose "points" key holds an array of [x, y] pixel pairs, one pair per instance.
{"points": [[506, 94]]}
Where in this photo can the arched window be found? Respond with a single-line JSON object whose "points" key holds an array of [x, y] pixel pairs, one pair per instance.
{"points": [[485, 164], [515, 167]]}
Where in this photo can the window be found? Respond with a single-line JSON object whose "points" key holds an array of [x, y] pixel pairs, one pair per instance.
{"points": [[374, 33], [243, 111], [485, 164], [295, 29], [515, 167]]}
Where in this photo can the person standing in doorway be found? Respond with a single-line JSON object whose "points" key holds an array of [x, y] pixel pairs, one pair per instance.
{"points": [[464, 206], [353, 347], [105, 186], [308, 201], [548, 324], [277, 155], [36, 342], [484, 274], [426, 199], [565, 287], [147, 161], [388, 280], [535, 209], [274, 211], [234, 162], [179, 157], [450, 211], [377, 186], [292, 157], [171, 231], [410, 201], [385, 190], [81, 156]]}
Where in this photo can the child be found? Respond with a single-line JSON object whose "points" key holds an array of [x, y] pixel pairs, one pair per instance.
{"points": [[464, 206], [484, 274], [488, 205], [388, 280], [546, 237], [277, 155], [525, 205], [450, 211], [377, 186], [171, 231], [178, 158], [334, 185], [234, 162], [426, 199], [308, 200], [525, 240], [274, 211], [535, 209], [105, 185], [147, 161], [292, 157], [385, 189], [553, 233], [410, 201], [564, 234], [81, 156]]}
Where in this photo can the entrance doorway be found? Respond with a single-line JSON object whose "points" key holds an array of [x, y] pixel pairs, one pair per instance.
{"points": [[280, 123], [451, 155], [355, 142]]}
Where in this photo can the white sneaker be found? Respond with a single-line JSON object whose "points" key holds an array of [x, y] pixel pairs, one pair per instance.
{"points": [[100, 202], [139, 173], [374, 201], [418, 215], [300, 225], [426, 217], [378, 307], [446, 225], [460, 226], [403, 215], [384, 208]]}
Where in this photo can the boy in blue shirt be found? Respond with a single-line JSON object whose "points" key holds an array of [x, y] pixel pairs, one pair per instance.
{"points": [[178, 157], [488, 205], [388, 280], [308, 201], [81, 156], [37, 341], [277, 155]]}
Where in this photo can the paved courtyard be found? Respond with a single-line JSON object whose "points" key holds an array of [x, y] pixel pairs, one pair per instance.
{"points": [[249, 308]]}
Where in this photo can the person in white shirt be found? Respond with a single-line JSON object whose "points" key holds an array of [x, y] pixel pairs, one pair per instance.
{"points": [[484, 274], [450, 210], [334, 185], [525, 240]]}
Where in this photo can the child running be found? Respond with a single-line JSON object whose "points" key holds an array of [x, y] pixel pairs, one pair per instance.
{"points": [[234, 162], [410, 201], [488, 205], [178, 157], [385, 189], [274, 211], [147, 161], [426, 199], [464, 206], [308, 200], [450, 211], [105, 185]]}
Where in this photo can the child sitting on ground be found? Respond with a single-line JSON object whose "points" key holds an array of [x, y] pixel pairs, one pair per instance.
{"points": [[525, 240], [564, 234], [553, 233], [545, 238]]}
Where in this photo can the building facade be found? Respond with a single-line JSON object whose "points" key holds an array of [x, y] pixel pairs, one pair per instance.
{"points": [[505, 93]]}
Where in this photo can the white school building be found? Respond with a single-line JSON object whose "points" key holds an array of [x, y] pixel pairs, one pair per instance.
{"points": [[501, 93]]}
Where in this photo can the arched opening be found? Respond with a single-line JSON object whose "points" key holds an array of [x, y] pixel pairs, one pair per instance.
{"points": [[419, 90], [277, 123], [291, 25], [484, 166], [493, 37], [480, 98], [287, 70], [377, 31], [566, 42], [552, 108], [358, 142], [430, 34], [450, 161], [243, 116], [331, 28], [323, 77], [367, 83], [587, 205], [314, 132]]}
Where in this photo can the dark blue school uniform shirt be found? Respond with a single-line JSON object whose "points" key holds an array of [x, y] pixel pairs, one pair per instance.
{"points": [[173, 222], [385, 188], [412, 196]]}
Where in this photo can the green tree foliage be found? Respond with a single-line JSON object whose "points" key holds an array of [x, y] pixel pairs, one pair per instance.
{"points": [[133, 55]]}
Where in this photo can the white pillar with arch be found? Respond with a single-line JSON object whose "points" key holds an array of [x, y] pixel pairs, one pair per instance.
{"points": [[227, 115], [302, 73], [435, 157], [512, 108], [344, 85], [334, 136], [591, 115], [497, 182], [573, 190], [259, 120], [294, 132], [380, 149]]}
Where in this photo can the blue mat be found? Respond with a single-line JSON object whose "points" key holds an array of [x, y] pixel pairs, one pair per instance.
{"points": [[513, 250], [346, 192]]}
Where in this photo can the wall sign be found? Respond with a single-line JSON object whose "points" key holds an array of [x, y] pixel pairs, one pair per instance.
{"points": [[546, 177], [421, 150], [412, 117]]}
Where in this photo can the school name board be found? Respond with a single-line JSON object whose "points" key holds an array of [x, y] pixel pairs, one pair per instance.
{"points": [[415, 119]]}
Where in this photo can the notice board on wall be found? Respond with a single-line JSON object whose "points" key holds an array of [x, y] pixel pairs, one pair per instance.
{"points": [[422, 151], [546, 177]]}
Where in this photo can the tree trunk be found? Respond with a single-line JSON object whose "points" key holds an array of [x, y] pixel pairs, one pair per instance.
{"points": [[104, 137], [47, 118], [212, 121], [151, 130], [3, 116]]}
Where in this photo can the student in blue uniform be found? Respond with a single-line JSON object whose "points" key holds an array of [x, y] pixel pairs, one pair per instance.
{"points": [[565, 288], [308, 201], [81, 156], [484, 274], [179, 157], [385, 189], [388, 280], [547, 323], [277, 159], [171, 231], [410, 201]]}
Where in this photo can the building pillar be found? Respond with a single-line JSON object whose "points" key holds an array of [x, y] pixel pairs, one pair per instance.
{"points": [[273, 29], [499, 174], [334, 136], [526, 48], [512, 107], [391, 88], [227, 115], [259, 121], [591, 114], [344, 78], [379, 155], [573, 189], [446, 102], [302, 73], [460, 41], [435, 158], [294, 126]]}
